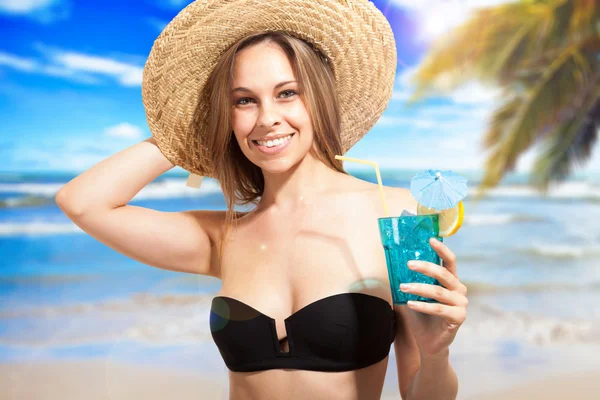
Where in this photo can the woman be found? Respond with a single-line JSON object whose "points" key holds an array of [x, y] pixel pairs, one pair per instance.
{"points": [[305, 309]]}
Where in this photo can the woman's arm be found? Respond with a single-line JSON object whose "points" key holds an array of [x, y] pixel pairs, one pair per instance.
{"points": [[434, 380], [421, 377], [113, 182], [96, 201]]}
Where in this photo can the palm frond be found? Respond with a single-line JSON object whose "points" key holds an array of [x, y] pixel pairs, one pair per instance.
{"points": [[585, 16], [499, 43], [558, 88], [501, 122], [570, 145]]}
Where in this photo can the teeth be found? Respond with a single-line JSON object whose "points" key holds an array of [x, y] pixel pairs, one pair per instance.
{"points": [[276, 142]]}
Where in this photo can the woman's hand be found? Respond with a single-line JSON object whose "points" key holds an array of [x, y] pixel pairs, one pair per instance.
{"points": [[434, 325]]}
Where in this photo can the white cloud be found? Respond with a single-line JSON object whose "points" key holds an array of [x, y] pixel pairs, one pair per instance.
{"points": [[68, 74], [79, 67], [23, 6], [456, 112], [124, 130], [401, 95], [75, 153], [476, 93], [405, 77], [158, 24], [414, 122], [16, 62], [70, 154], [469, 93], [29, 65], [44, 11], [38, 158], [125, 73], [444, 137], [177, 4]]}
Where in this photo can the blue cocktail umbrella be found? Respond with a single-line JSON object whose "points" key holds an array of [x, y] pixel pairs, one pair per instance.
{"points": [[438, 189]]}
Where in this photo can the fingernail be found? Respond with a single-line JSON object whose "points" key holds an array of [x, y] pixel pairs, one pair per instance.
{"points": [[435, 241], [405, 286], [412, 264]]}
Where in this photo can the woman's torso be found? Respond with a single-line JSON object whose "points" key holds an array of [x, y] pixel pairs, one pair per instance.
{"points": [[279, 264]]}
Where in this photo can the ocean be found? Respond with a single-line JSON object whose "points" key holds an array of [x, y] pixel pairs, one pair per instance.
{"points": [[530, 262]]}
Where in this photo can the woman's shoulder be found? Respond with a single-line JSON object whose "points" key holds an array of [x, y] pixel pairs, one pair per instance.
{"points": [[397, 199]]}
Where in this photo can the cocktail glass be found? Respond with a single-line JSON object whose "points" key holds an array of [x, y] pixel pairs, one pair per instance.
{"points": [[407, 238]]}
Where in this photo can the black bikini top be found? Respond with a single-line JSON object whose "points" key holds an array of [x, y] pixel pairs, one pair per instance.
{"points": [[342, 332]]}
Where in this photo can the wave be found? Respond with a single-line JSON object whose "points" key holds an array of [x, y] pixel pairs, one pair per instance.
{"points": [[36, 189], [557, 251], [587, 191], [501, 219], [27, 201], [135, 303], [41, 228], [38, 280], [168, 319], [483, 288], [38, 229], [151, 319], [36, 194], [488, 324]]}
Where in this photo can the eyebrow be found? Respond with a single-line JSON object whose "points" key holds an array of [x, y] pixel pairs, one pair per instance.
{"points": [[243, 89]]}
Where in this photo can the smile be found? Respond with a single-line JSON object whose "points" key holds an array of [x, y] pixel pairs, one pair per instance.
{"points": [[273, 143], [273, 146]]}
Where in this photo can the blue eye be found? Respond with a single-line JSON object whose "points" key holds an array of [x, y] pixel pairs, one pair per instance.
{"points": [[239, 101], [290, 90]]}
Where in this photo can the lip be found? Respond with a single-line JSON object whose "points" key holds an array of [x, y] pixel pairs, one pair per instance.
{"points": [[273, 150]]}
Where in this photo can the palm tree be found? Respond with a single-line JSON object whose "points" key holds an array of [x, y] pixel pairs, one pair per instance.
{"points": [[545, 56]]}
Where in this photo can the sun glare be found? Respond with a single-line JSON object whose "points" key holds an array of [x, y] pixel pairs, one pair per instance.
{"points": [[437, 17]]}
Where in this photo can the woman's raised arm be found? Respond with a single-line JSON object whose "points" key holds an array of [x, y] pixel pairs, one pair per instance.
{"points": [[96, 201]]}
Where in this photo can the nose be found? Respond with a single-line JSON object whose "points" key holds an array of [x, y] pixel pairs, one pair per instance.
{"points": [[268, 115]]}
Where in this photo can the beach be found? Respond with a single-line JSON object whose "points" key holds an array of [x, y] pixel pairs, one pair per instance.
{"points": [[98, 380], [583, 387], [81, 321]]}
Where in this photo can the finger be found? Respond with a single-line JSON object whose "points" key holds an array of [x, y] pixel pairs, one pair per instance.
{"points": [[452, 314], [435, 292], [445, 277], [445, 254]]}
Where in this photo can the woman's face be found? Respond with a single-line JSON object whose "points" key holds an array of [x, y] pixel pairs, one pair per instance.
{"points": [[270, 121]]}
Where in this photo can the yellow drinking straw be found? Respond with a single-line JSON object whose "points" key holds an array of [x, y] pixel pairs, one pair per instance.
{"points": [[374, 164]]}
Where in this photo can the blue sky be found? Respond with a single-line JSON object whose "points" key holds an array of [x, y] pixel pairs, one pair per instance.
{"points": [[70, 86]]}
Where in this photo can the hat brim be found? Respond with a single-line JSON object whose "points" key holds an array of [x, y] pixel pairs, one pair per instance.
{"points": [[354, 35]]}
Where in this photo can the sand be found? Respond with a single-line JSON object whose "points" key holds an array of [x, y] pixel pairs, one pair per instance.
{"points": [[581, 387], [102, 380]]}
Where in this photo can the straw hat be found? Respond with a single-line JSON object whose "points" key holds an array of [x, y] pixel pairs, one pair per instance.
{"points": [[354, 35]]}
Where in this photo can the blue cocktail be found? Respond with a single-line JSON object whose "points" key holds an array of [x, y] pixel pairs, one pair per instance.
{"points": [[407, 238]]}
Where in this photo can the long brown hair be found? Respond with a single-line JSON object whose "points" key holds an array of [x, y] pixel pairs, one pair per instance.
{"points": [[241, 181]]}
